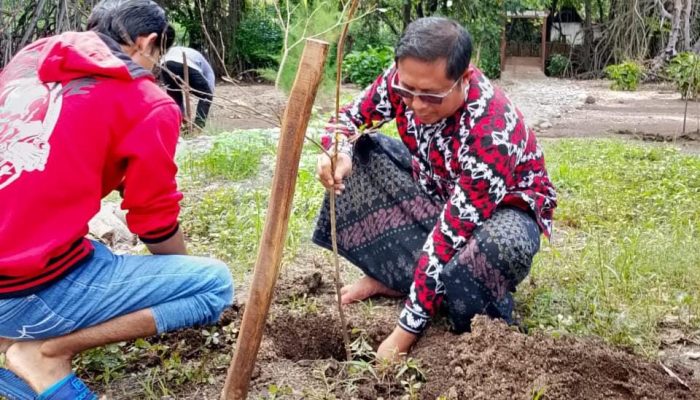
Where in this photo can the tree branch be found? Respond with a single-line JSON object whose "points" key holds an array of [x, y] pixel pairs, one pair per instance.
{"points": [[32, 26], [662, 10]]}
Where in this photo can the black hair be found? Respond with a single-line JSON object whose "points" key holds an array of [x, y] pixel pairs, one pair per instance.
{"points": [[432, 38], [130, 19], [100, 11], [169, 38]]}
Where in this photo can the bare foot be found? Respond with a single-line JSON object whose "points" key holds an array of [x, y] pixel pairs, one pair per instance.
{"points": [[5, 344], [40, 371], [365, 288]]}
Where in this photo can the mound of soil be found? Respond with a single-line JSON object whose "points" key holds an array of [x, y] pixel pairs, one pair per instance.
{"points": [[662, 137], [496, 362]]}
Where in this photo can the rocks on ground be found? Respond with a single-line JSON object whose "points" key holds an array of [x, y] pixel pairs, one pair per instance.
{"points": [[109, 227]]}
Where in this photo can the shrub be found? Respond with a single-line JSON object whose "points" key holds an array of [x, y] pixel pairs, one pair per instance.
{"points": [[370, 31], [363, 67], [625, 76], [489, 61], [259, 39], [557, 65], [684, 71]]}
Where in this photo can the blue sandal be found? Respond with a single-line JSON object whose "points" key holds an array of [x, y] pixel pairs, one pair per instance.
{"points": [[68, 388], [13, 387]]}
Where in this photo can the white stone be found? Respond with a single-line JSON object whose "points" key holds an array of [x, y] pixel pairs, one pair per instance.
{"points": [[109, 227]]}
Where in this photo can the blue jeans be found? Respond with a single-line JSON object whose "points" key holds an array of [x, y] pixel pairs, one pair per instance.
{"points": [[181, 291]]}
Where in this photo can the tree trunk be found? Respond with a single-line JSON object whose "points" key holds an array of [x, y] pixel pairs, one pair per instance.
{"points": [[33, 25], [388, 23], [60, 15], [686, 24], [235, 9], [419, 9], [432, 6], [670, 49], [675, 29], [550, 20], [588, 34], [601, 12], [406, 13], [613, 8], [215, 19]]}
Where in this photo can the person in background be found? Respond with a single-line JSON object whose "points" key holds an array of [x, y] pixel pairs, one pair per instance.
{"points": [[201, 79]]}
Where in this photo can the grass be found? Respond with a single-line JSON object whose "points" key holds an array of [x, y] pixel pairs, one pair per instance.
{"points": [[233, 157], [624, 256], [226, 220]]}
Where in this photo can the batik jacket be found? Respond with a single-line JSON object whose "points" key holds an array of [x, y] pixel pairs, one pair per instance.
{"points": [[480, 158]]}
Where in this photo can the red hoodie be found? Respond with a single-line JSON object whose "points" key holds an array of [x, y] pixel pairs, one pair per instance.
{"points": [[78, 118]]}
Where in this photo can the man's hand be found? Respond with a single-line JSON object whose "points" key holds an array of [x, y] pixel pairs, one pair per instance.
{"points": [[396, 345], [342, 170]]}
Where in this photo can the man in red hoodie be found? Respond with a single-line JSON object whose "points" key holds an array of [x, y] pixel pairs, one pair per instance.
{"points": [[81, 116]]}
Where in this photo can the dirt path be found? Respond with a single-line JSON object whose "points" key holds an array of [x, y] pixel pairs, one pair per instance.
{"points": [[556, 108], [564, 109], [263, 107]]}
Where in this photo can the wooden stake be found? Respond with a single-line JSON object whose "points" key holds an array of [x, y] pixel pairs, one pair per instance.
{"points": [[186, 94], [294, 123]]}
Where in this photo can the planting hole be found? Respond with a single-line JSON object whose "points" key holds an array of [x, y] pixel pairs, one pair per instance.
{"points": [[306, 337]]}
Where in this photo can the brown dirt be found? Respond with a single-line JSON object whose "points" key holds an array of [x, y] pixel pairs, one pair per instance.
{"points": [[496, 362], [257, 106], [298, 337], [657, 137], [263, 108], [653, 113], [301, 352]]}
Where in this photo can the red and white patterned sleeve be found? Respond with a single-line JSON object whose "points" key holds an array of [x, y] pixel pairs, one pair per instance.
{"points": [[375, 106]]}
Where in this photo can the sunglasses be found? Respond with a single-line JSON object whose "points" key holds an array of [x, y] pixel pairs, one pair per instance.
{"points": [[429, 98]]}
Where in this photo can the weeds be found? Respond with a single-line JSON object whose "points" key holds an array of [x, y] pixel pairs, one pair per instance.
{"points": [[226, 221], [389, 379], [303, 304], [624, 255], [233, 157], [277, 392], [104, 364], [539, 394]]}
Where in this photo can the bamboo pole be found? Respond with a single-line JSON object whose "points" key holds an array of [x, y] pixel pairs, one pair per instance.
{"points": [[294, 123], [332, 196]]}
